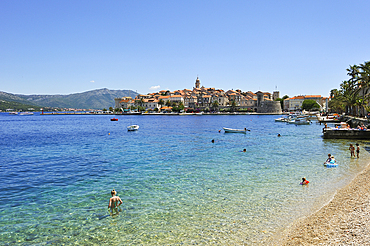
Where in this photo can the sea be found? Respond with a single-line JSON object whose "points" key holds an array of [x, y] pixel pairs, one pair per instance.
{"points": [[178, 187]]}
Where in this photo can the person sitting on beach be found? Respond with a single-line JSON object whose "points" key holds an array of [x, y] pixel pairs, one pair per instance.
{"points": [[114, 200], [352, 149], [304, 181]]}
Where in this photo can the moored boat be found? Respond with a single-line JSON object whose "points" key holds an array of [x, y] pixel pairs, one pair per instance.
{"points": [[114, 119], [133, 128], [26, 113], [230, 130]]}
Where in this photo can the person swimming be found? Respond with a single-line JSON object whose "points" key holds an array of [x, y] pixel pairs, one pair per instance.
{"points": [[304, 181]]}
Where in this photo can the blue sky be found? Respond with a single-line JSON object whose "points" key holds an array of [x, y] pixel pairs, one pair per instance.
{"points": [[63, 47]]}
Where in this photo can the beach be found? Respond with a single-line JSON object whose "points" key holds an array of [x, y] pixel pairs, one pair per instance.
{"points": [[345, 220]]}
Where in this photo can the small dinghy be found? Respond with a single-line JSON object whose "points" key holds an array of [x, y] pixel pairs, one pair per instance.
{"points": [[230, 130], [133, 128]]}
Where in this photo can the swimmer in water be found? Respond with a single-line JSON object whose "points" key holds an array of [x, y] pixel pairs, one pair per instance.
{"points": [[114, 200], [304, 181], [244, 150]]}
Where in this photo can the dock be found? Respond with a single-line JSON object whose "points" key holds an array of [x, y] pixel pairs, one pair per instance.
{"points": [[333, 133]]}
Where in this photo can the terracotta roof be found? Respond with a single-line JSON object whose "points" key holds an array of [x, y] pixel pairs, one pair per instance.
{"points": [[297, 97], [316, 96]]}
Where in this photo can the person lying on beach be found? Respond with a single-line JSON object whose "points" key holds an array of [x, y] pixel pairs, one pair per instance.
{"points": [[114, 200], [304, 181]]}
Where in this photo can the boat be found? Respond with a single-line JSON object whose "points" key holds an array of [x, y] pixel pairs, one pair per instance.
{"points": [[302, 121], [299, 121], [13, 113], [230, 130], [283, 119], [200, 113], [26, 113], [133, 128], [114, 119]]}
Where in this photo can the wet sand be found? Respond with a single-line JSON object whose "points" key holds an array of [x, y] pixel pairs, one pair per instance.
{"points": [[345, 220]]}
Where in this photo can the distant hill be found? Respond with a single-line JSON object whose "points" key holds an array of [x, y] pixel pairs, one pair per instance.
{"points": [[95, 99], [16, 106]]}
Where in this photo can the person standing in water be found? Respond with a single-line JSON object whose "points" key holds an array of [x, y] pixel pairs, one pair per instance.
{"points": [[114, 200], [352, 149], [358, 150]]}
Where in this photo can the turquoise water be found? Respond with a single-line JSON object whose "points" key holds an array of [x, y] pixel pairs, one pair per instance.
{"points": [[177, 187]]}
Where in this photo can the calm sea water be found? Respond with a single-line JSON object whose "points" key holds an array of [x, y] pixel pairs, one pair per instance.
{"points": [[177, 187]]}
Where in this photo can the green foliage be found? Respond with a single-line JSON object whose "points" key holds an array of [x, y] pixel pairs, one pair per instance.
{"points": [[309, 104], [111, 109], [353, 97], [281, 100], [16, 106]]}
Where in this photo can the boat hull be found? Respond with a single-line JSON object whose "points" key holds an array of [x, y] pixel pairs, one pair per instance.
{"points": [[229, 130], [133, 128]]}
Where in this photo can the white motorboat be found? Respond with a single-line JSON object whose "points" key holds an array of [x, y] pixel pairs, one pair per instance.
{"points": [[230, 130], [26, 113], [300, 121], [283, 119], [133, 128]]}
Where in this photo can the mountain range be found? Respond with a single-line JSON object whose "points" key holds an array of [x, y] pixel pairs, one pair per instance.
{"points": [[95, 99]]}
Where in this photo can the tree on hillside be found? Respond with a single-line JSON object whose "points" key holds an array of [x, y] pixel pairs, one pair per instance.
{"points": [[309, 104]]}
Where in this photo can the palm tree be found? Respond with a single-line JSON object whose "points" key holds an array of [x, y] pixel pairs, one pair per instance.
{"points": [[215, 105], [362, 77], [161, 102], [233, 105]]}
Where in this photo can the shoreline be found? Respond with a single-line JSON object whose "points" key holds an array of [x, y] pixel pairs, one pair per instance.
{"points": [[344, 220]]}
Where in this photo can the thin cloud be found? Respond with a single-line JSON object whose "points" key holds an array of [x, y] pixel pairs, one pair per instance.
{"points": [[155, 87], [92, 81]]}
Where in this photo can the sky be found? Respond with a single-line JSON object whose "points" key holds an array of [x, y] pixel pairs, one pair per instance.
{"points": [[295, 47]]}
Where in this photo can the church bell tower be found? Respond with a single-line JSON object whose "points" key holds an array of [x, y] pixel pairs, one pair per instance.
{"points": [[197, 83]]}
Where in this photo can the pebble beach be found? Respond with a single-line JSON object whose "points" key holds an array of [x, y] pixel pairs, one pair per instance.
{"points": [[345, 220]]}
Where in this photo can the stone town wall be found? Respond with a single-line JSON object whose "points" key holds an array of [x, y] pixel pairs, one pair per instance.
{"points": [[273, 107]]}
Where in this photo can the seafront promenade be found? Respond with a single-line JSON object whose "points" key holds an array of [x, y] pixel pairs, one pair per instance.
{"points": [[158, 114]]}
